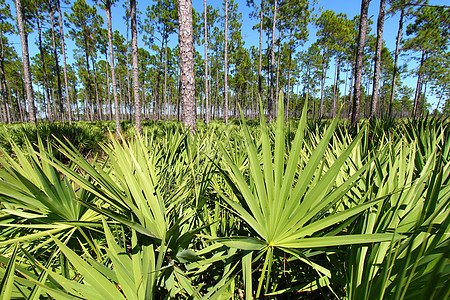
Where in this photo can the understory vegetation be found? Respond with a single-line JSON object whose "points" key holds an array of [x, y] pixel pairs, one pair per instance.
{"points": [[300, 210]]}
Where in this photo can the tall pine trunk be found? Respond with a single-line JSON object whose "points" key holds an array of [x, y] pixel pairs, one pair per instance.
{"points": [[288, 93], [3, 85], [186, 44], [166, 106], [322, 85], [47, 103], [135, 61], [397, 51], [376, 76], [111, 62], [261, 18], [336, 86], [225, 112], [66, 82], [206, 65], [98, 107], [272, 115], [26, 64], [416, 107], [88, 83], [158, 88], [58, 73], [108, 90], [359, 61]]}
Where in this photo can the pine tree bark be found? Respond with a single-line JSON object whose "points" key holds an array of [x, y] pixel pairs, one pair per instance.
{"points": [[272, 115], [98, 107], [166, 106], [3, 85], [63, 48], [397, 51], [261, 19], [47, 103], [158, 88], [108, 90], [128, 99], [322, 87], [88, 83], [206, 65], [111, 63], [336, 86], [186, 43], [359, 62], [58, 73], [26, 63], [135, 61], [416, 107], [225, 112], [288, 93], [379, 45]]}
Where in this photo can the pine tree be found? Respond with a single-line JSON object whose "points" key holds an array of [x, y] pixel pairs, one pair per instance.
{"points": [[186, 44], [5, 26], [84, 22], [134, 46], [26, 63], [377, 63], [108, 4], [359, 61], [63, 48]]}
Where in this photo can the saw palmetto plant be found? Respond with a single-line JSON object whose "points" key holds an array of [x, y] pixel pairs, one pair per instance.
{"points": [[259, 210]]}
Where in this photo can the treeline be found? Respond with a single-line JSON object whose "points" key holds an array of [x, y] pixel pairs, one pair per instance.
{"points": [[367, 78]]}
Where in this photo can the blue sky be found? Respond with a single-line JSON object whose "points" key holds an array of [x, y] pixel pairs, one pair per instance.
{"points": [[251, 37]]}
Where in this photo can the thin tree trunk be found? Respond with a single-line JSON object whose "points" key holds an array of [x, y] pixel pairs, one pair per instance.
{"points": [[44, 73], [345, 88], [128, 100], [111, 62], [365, 97], [158, 82], [179, 96], [206, 66], [272, 64], [11, 109], [6, 116], [261, 18], [3, 85], [359, 62], [440, 99], [376, 76], [88, 84], [336, 86], [216, 110], [75, 100], [23, 117], [322, 88], [422, 99], [166, 106], [58, 73], [108, 90], [416, 109], [66, 82], [121, 100], [26, 63], [277, 89], [288, 93], [397, 51], [134, 49], [225, 112], [186, 43], [352, 82], [98, 109]]}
